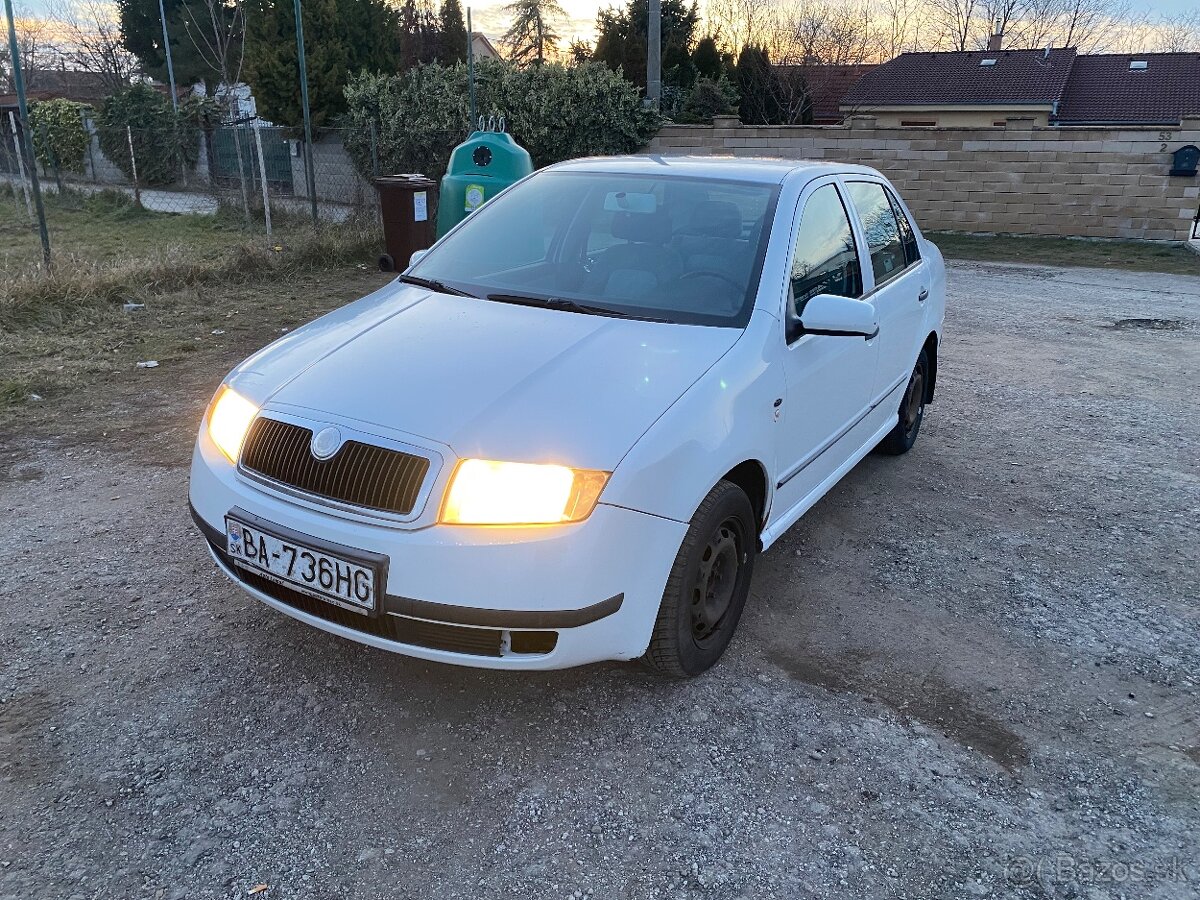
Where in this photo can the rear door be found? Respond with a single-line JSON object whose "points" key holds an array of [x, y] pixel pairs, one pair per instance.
{"points": [[901, 280], [829, 379]]}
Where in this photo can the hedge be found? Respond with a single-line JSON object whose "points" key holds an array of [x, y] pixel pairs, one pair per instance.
{"points": [[554, 111]]}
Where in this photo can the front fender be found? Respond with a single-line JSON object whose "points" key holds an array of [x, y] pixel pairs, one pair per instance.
{"points": [[727, 417]]}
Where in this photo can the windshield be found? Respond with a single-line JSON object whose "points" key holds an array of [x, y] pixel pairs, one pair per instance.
{"points": [[686, 250]]}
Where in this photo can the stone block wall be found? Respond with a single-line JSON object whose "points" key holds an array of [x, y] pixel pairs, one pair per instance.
{"points": [[1020, 179]]}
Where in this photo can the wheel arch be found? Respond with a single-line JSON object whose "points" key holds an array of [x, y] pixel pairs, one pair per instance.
{"points": [[931, 347], [751, 476]]}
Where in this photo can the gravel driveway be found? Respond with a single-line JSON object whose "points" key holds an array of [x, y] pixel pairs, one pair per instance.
{"points": [[968, 672]]}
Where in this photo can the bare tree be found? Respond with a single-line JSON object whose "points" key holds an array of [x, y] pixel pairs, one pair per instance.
{"points": [[735, 24], [35, 47], [1039, 23], [217, 29], [953, 23], [1176, 34], [824, 32], [1090, 26], [1003, 17], [89, 40], [901, 26]]}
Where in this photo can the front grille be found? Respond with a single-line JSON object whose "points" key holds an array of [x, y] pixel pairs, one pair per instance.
{"points": [[358, 474]]}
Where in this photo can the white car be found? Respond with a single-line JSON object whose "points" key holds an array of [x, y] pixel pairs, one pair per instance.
{"points": [[566, 431]]}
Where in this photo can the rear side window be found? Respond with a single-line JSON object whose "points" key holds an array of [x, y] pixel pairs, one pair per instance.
{"points": [[881, 229], [825, 260], [907, 236]]}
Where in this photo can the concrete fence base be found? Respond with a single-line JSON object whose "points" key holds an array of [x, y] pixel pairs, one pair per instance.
{"points": [[1019, 179]]}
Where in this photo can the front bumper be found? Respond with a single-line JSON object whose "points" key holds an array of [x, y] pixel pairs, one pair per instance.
{"points": [[516, 598]]}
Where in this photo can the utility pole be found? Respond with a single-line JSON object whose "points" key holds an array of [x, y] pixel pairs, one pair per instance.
{"points": [[309, 174], [162, 15], [472, 124], [26, 146], [654, 55]]}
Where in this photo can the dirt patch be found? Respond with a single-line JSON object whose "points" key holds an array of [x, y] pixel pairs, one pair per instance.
{"points": [[1150, 325], [28, 740], [915, 697]]}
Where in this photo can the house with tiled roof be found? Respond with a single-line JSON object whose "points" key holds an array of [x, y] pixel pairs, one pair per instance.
{"points": [[1051, 87], [963, 89], [1123, 89]]}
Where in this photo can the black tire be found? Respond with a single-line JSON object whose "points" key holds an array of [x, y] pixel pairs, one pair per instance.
{"points": [[708, 585], [386, 263], [912, 410]]}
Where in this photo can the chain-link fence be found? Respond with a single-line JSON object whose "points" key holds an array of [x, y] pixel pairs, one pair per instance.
{"points": [[247, 180]]}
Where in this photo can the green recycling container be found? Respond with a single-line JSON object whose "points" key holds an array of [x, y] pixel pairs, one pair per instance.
{"points": [[480, 167]]}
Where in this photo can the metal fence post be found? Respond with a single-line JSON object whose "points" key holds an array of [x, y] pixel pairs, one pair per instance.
{"points": [[12, 120], [262, 171], [137, 191], [26, 145], [310, 171]]}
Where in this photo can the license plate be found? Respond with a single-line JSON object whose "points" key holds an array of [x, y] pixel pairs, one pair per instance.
{"points": [[317, 573]]}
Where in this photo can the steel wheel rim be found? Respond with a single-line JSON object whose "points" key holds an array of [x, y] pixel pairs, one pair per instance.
{"points": [[716, 581], [914, 399]]}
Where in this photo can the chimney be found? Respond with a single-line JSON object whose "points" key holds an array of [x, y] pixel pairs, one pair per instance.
{"points": [[997, 35]]}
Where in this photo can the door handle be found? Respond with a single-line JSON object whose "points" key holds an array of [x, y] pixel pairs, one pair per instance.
{"points": [[923, 296]]}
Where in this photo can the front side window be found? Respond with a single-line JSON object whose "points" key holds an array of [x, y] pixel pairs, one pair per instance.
{"points": [[880, 227], [825, 260], [666, 247]]}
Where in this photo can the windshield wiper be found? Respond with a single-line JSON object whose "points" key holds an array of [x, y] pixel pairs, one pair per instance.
{"points": [[434, 285], [568, 305]]}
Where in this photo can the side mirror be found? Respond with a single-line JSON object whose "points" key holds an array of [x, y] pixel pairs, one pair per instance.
{"points": [[839, 316], [416, 257]]}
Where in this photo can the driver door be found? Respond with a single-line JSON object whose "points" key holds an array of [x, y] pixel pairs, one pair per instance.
{"points": [[828, 378]]}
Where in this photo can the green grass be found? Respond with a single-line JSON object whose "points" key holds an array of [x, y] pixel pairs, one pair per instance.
{"points": [[1137, 256], [108, 226]]}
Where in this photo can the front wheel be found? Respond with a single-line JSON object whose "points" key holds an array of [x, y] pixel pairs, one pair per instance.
{"points": [[708, 585], [912, 410]]}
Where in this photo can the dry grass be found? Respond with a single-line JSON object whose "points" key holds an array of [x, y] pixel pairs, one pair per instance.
{"points": [[202, 286], [33, 298], [66, 376]]}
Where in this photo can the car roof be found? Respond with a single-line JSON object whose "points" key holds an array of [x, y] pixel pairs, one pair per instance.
{"points": [[763, 170]]}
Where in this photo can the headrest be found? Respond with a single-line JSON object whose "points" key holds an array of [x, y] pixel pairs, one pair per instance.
{"points": [[642, 228], [715, 218]]}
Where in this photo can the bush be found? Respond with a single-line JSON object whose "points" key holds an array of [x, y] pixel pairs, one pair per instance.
{"points": [[164, 143], [706, 99], [555, 112], [60, 139]]}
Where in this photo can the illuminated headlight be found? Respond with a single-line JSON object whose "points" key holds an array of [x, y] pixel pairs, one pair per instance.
{"points": [[229, 419], [483, 492]]}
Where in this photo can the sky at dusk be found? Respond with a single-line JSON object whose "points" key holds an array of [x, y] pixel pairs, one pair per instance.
{"points": [[490, 18]]}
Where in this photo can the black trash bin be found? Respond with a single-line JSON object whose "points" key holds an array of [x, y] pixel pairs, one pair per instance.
{"points": [[408, 204]]}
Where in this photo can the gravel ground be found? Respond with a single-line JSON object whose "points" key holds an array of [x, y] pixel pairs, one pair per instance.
{"points": [[968, 672]]}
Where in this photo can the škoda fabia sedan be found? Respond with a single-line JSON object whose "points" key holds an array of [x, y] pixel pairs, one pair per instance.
{"points": [[564, 434]]}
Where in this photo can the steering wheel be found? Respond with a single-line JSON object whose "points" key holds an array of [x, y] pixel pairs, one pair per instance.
{"points": [[710, 273]]}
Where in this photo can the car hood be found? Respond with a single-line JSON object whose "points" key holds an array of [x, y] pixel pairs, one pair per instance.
{"points": [[490, 380]]}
